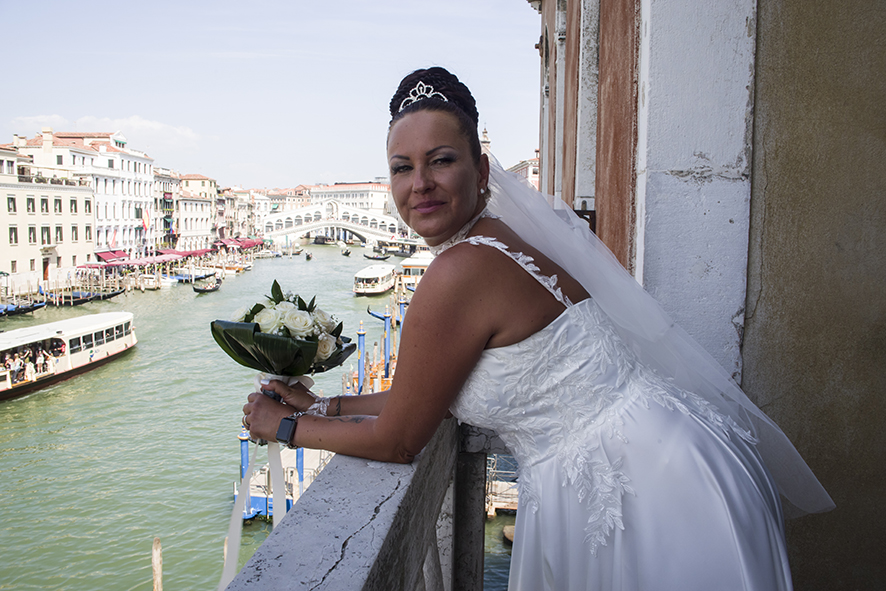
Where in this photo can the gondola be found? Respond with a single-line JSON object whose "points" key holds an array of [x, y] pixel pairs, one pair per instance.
{"points": [[63, 299], [209, 287], [377, 257], [20, 308]]}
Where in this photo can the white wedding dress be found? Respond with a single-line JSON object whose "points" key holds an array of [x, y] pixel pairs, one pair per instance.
{"points": [[626, 482]]}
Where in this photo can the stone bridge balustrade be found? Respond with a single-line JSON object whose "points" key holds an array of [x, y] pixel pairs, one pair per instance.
{"points": [[377, 526], [330, 215]]}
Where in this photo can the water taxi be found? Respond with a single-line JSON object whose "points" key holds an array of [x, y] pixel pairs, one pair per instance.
{"points": [[374, 279], [414, 267], [36, 356]]}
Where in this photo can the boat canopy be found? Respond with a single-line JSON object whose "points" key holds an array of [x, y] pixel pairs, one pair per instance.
{"points": [[374, 271], [61, 329]]}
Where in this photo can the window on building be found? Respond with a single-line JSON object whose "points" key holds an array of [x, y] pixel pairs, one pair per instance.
{"points": [[33, 264], [58, 205], [59, 235], [10, 204], [87, 206], [32, 204], [13, 235], [74, 233], [59, 159], [87, 232], [58, 261], [44, 235], [44, 205], [32, 234], [74, 205], [110, 164], [13, 268], [73, 260]]}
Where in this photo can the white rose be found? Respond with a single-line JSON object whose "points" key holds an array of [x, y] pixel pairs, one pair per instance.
{"points": [[325, 322], [284, 306], [298, 322], [240, 314], [325, 348], [269, 320]]}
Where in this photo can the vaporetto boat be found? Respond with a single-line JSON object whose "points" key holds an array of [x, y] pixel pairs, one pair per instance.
{"points": [[374, 279], [36, 356]]}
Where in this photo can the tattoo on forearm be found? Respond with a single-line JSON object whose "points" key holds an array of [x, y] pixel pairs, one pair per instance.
{"points": [[348, 419], [337, 406]]}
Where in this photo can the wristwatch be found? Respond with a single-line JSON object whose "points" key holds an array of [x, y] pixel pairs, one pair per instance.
{"points": [[286, 430]]}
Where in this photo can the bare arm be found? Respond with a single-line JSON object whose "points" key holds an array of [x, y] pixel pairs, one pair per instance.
{"points": [[300, 398], [451, 319]]}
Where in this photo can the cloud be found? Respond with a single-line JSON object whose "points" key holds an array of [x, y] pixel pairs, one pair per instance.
{"points": [[28, 126]]}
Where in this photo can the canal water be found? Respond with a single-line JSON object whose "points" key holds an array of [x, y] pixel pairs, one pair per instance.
{"points": [[95, 467]]}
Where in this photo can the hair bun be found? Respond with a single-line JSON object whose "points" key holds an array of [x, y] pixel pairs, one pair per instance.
{"points": [[441, 81]]}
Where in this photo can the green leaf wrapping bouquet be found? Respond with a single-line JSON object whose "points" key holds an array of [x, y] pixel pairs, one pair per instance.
{"points": [[283, 336]]}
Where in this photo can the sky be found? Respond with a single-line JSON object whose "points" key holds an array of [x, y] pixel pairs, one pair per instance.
{"points": [[263, 94]]}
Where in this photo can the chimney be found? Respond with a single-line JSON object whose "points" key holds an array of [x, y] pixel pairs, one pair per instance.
{"points": [[47, 139]]}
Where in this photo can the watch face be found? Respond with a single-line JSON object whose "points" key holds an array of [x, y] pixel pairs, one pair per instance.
{"points": [[285, 430]]}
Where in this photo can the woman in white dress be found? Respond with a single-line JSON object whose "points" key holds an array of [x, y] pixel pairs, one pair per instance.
{"points": [[642, 466]]}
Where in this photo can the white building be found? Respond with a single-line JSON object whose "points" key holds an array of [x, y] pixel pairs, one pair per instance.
{"points": [[528, 169], [198, 212], [121, 178], [373, 197], [47, 224]]}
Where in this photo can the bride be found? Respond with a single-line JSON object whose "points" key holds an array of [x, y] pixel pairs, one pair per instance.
{"points": [[642, 465]]}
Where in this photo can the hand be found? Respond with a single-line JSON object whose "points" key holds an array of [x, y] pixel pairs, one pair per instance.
{"points": [[297, 395], [262, 414]]}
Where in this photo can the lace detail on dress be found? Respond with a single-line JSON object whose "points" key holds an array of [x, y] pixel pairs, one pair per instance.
{"points": [[559, 395], [527, 262]]}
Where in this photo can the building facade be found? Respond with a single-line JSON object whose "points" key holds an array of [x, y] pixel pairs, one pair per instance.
{"points": [[121, 178], [734, 155], [200, 212], [373, 197], [48, 225], [164, 231]]}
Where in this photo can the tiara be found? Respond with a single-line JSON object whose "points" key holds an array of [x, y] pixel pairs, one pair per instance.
{"points": [[421, 91]]}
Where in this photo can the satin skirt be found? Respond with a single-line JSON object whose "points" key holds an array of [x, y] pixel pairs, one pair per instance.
{"points": [[702, 514]]}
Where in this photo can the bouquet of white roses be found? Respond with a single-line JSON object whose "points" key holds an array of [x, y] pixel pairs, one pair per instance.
{"points": [[283, 336]]}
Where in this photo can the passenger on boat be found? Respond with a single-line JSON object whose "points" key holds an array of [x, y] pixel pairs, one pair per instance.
{"points": [[638, 469]]}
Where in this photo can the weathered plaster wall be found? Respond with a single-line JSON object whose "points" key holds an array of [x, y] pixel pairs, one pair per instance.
{"points": [[696, 71], [815, 338]]}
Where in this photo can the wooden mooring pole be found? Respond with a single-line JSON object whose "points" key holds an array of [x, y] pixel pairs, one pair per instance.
{"points": [[157, 565]]}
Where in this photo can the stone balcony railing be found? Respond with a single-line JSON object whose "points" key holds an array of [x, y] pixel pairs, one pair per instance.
{"points": [[376, 526]]}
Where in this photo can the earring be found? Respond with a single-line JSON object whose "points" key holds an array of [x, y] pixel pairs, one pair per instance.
{"points": [[482, 191]]}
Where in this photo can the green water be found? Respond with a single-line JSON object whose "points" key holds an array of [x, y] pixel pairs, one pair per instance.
{"points": [[497, 558], [93, 468]]}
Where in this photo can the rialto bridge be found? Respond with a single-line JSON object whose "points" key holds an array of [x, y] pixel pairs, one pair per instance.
{"points": [[332, 219]]}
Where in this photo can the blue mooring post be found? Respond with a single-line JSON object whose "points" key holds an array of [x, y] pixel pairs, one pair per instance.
{"points": [[387, 342], [244, 451], [300, 468], [402, 304], [361, 351]]}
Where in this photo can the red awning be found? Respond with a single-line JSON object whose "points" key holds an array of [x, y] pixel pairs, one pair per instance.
{"points": [[109, 255]]}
